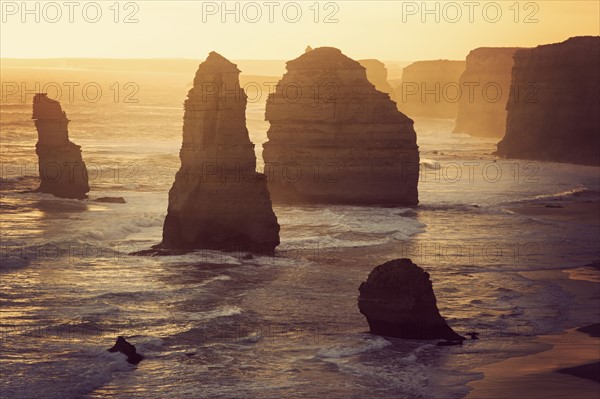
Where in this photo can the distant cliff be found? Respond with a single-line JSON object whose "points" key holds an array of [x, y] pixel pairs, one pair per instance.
{"points": [[334, 138], [62, 170], [377, 74], [560, 119], [218, 201], [485, 86], [430, 89]]}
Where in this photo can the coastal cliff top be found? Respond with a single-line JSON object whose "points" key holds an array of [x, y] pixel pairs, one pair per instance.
{"points": [[323, 58]]}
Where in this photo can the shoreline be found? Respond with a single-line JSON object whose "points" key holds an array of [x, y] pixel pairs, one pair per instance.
{"points": [[568, 369]]}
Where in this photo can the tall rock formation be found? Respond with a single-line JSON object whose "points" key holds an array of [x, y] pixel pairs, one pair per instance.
{"points": [[485, 86], [430, 89], [398, 301], [61, 167], [218, 200], [377, 74], [334, 138], [561, 120]]}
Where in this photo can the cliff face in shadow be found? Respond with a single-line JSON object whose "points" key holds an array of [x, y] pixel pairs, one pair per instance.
{"points": [[62, 170], [218, 200], [561, 121], [485, 88], [430, 89], [334, 138], [377, 74]]}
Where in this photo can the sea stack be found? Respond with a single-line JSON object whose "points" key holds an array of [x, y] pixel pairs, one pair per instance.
{"points": [[377, 74], [218, 200], [334, 138], [485, 88], [398, 301], [430, 89], [554, 105], [61, 167]]}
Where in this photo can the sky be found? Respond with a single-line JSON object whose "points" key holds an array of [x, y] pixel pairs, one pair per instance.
{"points": [[387, 30]]}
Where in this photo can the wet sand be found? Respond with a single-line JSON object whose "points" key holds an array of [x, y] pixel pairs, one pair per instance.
{"points": [[536, 376], [569, 369]]}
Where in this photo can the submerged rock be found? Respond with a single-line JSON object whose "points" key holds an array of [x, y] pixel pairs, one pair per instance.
{"points": [[485, 86], [62, 170], [111, 200], [554, 105], [127, 349], [218, 200], [334, 138], [398, 301]]}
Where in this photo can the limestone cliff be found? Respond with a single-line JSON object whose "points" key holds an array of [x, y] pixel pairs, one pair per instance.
{"points": [[485, 86], [334, 138], [218, 200], [560, 119], [377, 74], [429, 89], [61, 167]]}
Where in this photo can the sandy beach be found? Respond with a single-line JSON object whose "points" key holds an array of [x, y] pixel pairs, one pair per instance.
{"points": [[569, 368], [537, 376]]}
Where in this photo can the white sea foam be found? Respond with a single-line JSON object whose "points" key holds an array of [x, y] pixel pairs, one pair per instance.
{"points": [[366, 344]]}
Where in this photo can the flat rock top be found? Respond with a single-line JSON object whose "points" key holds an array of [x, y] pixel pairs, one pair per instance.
{"points": [[323, 58], [580, 46]]}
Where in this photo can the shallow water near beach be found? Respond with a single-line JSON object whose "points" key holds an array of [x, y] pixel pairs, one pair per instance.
{"points": [[218, 325]]}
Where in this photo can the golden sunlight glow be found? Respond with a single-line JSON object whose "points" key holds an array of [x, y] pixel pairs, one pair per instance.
{"points": [[389, 30]]}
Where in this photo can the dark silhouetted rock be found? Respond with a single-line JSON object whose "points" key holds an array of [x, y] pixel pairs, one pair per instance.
{"points": [[111, 200], [398, 301], [218, 200], [485, 86], [560, 119], [334, 138], [430, 89], [62, 170], [127, 349]]}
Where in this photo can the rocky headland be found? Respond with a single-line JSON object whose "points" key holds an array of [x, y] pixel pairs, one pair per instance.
{"points": [[554, 105]]}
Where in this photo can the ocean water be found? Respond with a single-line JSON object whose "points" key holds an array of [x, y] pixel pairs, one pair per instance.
{"points": [[218, 325]]}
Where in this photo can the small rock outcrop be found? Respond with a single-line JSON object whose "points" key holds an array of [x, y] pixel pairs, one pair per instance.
{"points": [[334, 138], [111, 200], [218, 200], [430, 89], [398, 301], [561, 121], [485, 87], [377, 74], [62, 170], [127, 349]]}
